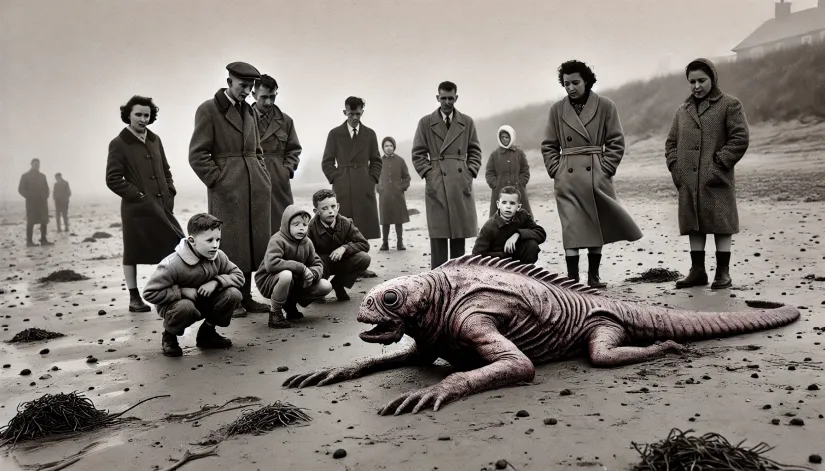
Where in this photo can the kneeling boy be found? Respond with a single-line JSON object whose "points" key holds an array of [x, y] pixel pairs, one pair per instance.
{"points": [[197, 281], [511, 232], [290, 272], [338, 242]]}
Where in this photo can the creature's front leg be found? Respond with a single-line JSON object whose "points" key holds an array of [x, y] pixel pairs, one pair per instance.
{"points": [[507, 366], [409, 356]]}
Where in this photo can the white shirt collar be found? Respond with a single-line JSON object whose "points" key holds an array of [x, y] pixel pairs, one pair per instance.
{"points": [[231, 100], [357, 128], [444, 116]]}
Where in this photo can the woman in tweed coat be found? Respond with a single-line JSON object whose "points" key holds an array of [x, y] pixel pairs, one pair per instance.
{"points": [[709, 135]]}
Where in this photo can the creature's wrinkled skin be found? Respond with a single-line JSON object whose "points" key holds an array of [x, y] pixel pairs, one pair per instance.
{"points": [[494, 319]]}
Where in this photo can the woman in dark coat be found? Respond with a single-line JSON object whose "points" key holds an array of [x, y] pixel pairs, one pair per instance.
{"points": [[582, 149], [393, 182], [708, 137], [138, 172], [507, 166]]}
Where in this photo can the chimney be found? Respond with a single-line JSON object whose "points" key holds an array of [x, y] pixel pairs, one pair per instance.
{"points": [[783, 9]]}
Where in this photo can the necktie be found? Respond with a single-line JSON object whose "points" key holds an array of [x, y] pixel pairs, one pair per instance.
{"points": [[354, 133], [447, 121]]}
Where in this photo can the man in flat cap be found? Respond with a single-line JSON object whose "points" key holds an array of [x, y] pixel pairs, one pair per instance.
{"points": [[225, 152], [282, 150]]}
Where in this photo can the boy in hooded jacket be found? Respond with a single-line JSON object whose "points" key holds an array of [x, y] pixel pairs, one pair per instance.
{"points": [[291, 272]]}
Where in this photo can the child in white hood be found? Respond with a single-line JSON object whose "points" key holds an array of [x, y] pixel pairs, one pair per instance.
{"points": [[507, 166]]}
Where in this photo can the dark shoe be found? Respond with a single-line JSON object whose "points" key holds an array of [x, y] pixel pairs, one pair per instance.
{"points": [[277, 321], [400, 245], [572, 267], [593, 262], [341, 293], [367, 274], [239, 312], [170, 345], [385, 246], [697, 276], [136, 304], [45, 242], [209, 338], [292, 312], [30, 244], [722, 278], [250, 305]]}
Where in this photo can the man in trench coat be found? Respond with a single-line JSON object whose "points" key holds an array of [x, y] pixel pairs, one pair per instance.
{"points": [[282, 150], [352, 164], [35, 189], [446, 153], [225, 152]]}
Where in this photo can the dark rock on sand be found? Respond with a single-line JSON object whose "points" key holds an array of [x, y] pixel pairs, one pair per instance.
{"points": [[61, 276]]}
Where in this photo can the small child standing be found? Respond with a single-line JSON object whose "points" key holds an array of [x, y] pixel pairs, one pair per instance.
{"points": [[340, 244], [511, 232], [392, 206], [507, 166], [197, 281], [290, 273]]}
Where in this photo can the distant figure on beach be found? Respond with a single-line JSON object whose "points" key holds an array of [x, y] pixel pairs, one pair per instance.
{"points": [[282, 150], [225, 153], [583, 146], [138, 172], [709, 135], [507, 166], [392, 205], [352, 164], [446, 153], [35, 189], [61, 194]]}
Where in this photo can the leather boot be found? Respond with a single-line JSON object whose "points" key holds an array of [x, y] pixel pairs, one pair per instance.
{"points": [[385, 232], [277, 319], [291, 310], [572, 267], [171, 348], [399, 245], [250, 305], [722, 278], [136, 303], [385, 246], [697, 276], [340, 291], [209, 338], [593, 262]]}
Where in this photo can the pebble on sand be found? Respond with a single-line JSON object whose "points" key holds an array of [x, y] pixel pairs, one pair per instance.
{"points": [[339, 453], [522, 413], [101, 312], [797, 421], [565, 392], [444, 438], [813, 387], [550, 421], [281, 369], [26, 372], [815, 459], [45, 351], [501, 464]]}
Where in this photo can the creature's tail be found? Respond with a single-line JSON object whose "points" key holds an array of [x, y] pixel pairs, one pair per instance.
{"points": [[646, 323]]}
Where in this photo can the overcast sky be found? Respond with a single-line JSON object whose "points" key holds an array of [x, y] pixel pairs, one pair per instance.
{"points": [[67, 65]]}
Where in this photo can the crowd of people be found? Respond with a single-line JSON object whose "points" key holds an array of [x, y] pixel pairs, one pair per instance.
{"points": [[246, 156]]}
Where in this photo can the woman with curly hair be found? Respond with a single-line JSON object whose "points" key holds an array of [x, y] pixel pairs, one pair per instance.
{"points": [[138, 172], [709, 135], [582, 149]]}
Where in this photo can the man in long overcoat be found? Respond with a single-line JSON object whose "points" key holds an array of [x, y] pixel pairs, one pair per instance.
{"points": [[225, 152], [282, 150], [352, 164], [35, 189], [446, 153]]}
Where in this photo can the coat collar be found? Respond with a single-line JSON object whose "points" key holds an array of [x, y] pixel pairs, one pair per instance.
{"points": [[714, 96], [336, 225], [275, 123], [438, 126], [579, 122], [187, 253], [517, 216], [130, 137], [230, 112]]}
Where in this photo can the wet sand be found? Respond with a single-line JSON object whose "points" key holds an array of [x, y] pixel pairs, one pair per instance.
{"points": [[725, 390]]}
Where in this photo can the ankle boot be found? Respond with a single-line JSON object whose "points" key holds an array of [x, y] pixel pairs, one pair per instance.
{"points": [[697, 276], [572, 267], [399, 235], [722, 278], [385, 232], [593, 262], [277, 319], [208, 337], [385, 246], [170, 345], [291, 310], [136, 303], [399, 245]]}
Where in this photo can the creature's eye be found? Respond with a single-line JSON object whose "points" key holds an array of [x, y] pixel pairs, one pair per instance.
{"points": [[390, 298]]}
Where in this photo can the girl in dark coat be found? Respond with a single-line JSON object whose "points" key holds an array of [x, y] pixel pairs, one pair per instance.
{"points": [[394, 181], [138, 172], [708, 137], [507, 166]]}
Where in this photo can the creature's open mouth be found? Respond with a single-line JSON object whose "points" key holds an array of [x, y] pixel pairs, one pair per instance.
{"points": [[384, 334]]}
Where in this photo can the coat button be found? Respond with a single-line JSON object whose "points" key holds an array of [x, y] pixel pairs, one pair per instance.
{"points": [[444, 173], [159, 195], [153, 177], [569, 170], [569, 138], [459, 170], [588, 169], [694, 169], [696, 147]]}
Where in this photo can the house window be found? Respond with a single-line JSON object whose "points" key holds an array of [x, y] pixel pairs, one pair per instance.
{"points": [[807, 39]]}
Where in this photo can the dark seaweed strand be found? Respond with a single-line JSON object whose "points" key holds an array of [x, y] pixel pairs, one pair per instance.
{"points": [[710, 451], [266, 418]]}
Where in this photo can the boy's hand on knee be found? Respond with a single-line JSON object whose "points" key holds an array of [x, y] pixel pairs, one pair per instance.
{"points": [[337, 254], [189, 293], [510, 245], [308, 277], [208, 288]]}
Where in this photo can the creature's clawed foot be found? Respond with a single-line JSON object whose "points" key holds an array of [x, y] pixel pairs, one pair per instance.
{"points": [[436, 396], [321, 378], [670, 346]]}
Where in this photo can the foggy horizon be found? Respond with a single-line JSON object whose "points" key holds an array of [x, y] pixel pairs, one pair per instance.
{"points": [[68, 66]]}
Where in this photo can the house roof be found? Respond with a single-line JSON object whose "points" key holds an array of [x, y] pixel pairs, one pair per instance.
{"points": [[798, 23]]}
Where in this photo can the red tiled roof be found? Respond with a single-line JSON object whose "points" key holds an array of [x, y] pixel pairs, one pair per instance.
{"points": [[798, 23]]}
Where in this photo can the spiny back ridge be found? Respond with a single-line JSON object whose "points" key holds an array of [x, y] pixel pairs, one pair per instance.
{"points": [[514, 266]]}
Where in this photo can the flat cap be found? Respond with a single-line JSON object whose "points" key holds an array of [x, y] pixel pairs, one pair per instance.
{"points": [[243, 70]]}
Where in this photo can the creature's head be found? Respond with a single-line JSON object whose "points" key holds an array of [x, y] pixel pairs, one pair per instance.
{"points": [[393, 307]]}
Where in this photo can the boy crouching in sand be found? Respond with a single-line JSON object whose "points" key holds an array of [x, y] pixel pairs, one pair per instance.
{"points": [[511, 232], [197, 281], [290, 272], [339, 243]]}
